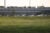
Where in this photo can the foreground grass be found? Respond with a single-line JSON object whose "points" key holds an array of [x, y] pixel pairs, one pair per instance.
{"points": [[25, 24]]}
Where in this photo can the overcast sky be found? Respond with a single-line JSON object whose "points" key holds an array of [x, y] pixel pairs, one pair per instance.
{"points": [[25, 3]]}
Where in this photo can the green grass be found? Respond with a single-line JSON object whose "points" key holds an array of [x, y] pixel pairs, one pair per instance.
{"points": [[36, 24]]}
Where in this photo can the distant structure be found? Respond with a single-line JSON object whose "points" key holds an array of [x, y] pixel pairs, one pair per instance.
{"points": [[29, 3], [4, 3], [23, 11]]}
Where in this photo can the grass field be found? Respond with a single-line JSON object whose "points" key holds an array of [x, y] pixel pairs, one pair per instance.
{"points": [[36, 24]]}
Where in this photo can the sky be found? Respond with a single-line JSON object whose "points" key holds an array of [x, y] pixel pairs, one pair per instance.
{"points": [[21, 3]]}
